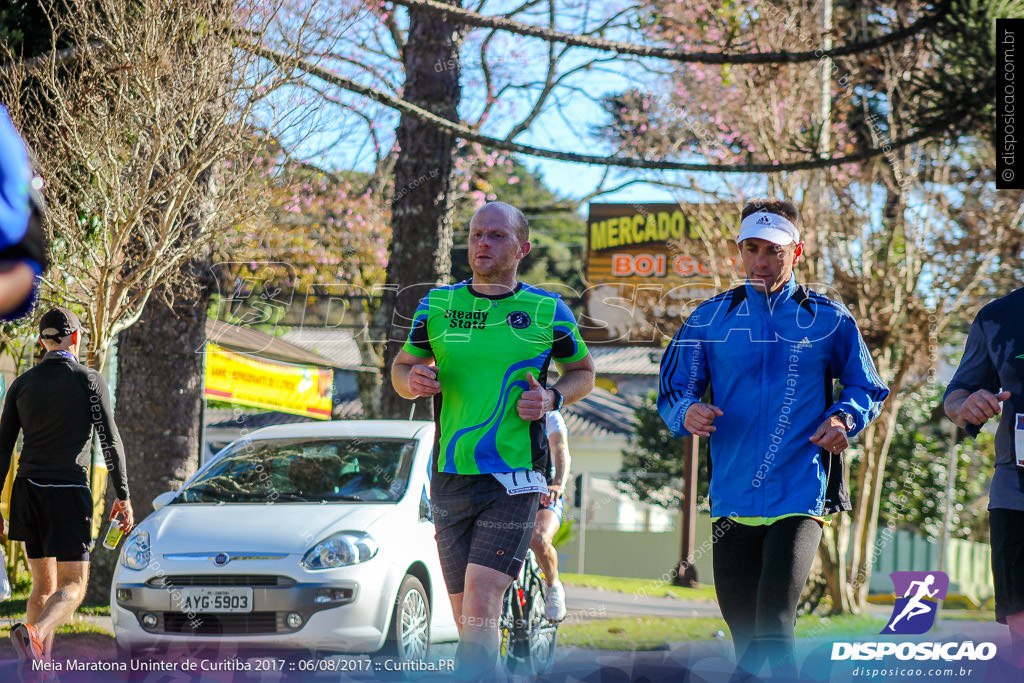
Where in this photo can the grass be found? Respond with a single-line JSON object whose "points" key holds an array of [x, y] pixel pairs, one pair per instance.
{"points": [[16, 606], [79, 639], [653, 588], [95, 610], [646, 633], [78, 626], [968, 614]]}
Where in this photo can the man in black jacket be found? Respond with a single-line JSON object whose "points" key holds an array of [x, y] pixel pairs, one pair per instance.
{"points": [[57, 405], [989, 382]]}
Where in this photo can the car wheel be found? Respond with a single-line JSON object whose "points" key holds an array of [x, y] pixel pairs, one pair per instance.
{"points": [[409, 635]]}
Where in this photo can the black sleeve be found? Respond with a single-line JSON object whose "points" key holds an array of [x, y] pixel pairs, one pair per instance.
{"points": [[564, 345], [106, 430], [418, 336], [10, 425], [976, 370]]}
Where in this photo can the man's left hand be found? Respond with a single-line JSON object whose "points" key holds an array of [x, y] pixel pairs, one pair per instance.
{"points": [[535, 401], [831, 435]]}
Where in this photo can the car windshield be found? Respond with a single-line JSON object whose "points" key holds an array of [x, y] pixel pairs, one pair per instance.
{"points": [[367, 469]]}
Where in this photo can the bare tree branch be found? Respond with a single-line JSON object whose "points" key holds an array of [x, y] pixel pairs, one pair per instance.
{"points": [[470, 18], [462, 131]]}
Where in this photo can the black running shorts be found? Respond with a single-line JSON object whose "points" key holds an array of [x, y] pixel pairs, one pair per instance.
{"points": [[53, 518], [477, 522]]}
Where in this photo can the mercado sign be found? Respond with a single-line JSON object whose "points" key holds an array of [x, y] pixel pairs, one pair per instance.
{"points": [[631, 243], [271, 385], [646, 262]]}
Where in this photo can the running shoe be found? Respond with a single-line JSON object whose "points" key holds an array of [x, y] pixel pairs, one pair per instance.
{"points": [[554, 603], [26, 643]]}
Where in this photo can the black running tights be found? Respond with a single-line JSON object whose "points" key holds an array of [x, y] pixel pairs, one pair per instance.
{"points": [[760, 572]]}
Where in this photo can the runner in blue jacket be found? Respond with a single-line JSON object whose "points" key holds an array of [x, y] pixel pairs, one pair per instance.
{"points": [[771, 352], [23, 246]]}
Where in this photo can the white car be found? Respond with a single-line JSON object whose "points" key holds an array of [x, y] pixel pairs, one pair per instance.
{"points": [[314, 536]]}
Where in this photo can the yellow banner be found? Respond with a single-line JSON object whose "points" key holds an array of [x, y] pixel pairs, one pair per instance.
{"points": [[248, 381]]}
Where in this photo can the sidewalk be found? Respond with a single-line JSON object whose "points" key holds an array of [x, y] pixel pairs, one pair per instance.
{"points": [[594, 603]]}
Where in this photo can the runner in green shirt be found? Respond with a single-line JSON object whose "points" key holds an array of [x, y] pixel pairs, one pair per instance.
{"points": [[482, 349]]}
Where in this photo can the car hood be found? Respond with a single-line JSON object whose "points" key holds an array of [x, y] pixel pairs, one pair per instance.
{"points": [[280, 528]]}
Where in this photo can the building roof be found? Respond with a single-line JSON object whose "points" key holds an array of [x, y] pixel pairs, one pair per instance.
{"points": [[335, 344], [255, 343], [601, 414], [626, 360]]}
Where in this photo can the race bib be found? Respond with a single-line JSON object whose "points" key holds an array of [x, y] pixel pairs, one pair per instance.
{"points": [[522, 481], [1018, 440]]}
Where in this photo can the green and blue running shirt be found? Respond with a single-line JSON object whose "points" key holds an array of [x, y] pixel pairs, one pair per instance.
{"points": [[484, 346]]}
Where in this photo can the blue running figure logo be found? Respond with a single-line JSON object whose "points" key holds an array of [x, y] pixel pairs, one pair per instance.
{"points": [[914, 612]]}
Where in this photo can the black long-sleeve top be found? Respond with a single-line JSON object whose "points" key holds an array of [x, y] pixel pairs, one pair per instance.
{"points": [[57, 404]]}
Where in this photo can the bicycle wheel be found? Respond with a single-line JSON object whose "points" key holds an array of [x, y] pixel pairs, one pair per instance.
{"points": [[510, 645], [542, 634]]}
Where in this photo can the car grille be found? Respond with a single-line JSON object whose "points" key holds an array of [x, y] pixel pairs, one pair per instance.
{"points": [[223, 624], [219, 580]]}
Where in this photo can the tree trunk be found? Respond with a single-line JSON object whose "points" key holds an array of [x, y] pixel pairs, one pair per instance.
{"points": [[421, 208], [832, 552], [864, 537], [159, 404], [369, 383]]}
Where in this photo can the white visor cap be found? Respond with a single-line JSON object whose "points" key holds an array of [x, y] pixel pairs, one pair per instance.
{"points": [[768, 226]]}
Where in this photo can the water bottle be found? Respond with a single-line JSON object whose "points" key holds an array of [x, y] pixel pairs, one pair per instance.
{"points": [[114, 533], [5, 585]]}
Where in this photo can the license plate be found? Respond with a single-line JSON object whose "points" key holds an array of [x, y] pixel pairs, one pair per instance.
{"points": [[215, 600]]}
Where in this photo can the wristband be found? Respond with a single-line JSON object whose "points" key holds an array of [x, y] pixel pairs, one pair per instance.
{"points": [[559, 399]]}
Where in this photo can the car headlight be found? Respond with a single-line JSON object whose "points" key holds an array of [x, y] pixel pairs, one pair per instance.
{"points": [[339, 550], [136, 551]]}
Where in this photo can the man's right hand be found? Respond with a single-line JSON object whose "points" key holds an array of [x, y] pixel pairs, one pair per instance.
{"points": [[981, 406], [124, 508], [699, 418], [423, 380]]}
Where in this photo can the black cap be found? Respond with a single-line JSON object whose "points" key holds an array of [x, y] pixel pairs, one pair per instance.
{"points": [[58, 323]]}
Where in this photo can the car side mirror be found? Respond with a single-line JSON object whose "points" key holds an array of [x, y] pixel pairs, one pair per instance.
{"points": [[163, 499], [425, 511]]}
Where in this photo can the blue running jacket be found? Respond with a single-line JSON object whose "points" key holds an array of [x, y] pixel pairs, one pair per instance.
{"points": [[16, 207], [771, 363], [15, 175]]}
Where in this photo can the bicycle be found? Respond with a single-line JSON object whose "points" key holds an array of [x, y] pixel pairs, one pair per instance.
{"points": [[527, 637]]}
